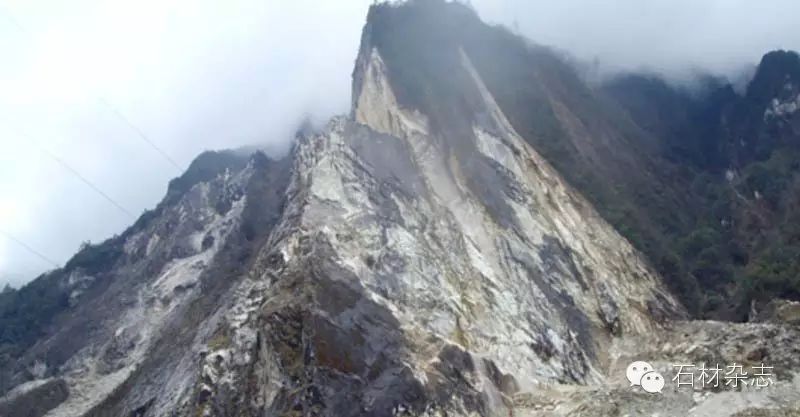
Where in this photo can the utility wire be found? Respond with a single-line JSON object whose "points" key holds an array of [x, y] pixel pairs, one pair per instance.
{"points": [[10, 17], [139, 133], [28, 248], [104, 102], [88, 183], [77, 174]]}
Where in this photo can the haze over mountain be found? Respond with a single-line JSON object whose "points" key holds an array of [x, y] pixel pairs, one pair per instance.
{"points": [[210, 77], [483, 233]]}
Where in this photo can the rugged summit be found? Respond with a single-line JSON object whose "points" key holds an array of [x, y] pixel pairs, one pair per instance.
{"points": [[417, 257]]}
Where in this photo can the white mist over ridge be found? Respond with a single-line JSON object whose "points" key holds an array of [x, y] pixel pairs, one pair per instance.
{"points": [[676, 38], [403, 260], [192, 76]]}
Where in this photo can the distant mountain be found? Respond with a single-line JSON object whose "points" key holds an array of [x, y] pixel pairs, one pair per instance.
{"points": [[742, 156], [455, 246]]}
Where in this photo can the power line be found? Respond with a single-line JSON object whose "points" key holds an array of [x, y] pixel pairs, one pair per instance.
{"points": [[88, 183], [28, 248], [140, 133], [77, 174], [66, 166], [14, 21], [104, 102]]}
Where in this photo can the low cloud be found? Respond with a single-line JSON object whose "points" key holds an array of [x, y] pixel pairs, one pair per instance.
{"points": [[191, 75], [672, 37]]}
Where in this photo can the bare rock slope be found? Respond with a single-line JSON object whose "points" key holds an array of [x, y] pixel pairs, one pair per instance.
{"points": [[392, 264]]}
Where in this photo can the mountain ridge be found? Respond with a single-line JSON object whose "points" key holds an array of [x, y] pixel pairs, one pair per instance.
{"points": [[417, 257], [740, 157]]}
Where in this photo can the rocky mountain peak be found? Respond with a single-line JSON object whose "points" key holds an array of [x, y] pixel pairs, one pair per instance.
{"points": [[777, 76], [428, 33], [417, 257]]}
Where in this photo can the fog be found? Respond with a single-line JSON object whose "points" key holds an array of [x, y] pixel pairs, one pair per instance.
{"points": [[675, 38], [196, 75]]}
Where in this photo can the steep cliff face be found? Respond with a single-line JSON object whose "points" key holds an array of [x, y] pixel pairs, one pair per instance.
{"points": [[413, 258], [588, 139], [415, 275], [133, 312], [409, 267]]}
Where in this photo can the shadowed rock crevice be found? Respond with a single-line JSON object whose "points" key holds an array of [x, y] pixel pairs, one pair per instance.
{"points": [[420, 257]]}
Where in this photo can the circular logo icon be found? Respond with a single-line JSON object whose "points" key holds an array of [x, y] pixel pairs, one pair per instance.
{"points": [[636, 370]]}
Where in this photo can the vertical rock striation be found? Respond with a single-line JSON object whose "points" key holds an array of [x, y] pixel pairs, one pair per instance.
{"points": [[404, 260]]}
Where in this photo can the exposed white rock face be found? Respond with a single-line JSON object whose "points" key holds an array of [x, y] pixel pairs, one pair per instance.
{"points": [[122, 320], [784, 107], [94, 372], [385, 268], [390, 286], [560, 265], [410, 272], [699, 342]]}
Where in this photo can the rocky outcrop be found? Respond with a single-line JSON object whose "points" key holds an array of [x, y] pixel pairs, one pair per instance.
{"points": [[408, 276], [778, 311], [694, 343], [404, 260], [173, 271], [35, 398], [406, 279]]}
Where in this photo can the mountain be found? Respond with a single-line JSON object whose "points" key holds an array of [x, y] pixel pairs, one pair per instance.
{"points": [[741, 157], [442, 250], [592, 142]]}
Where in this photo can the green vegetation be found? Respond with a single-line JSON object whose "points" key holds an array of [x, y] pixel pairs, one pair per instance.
{"points": [[93, 259], [420, 46], [742, 243], [24, 312], [220, 340], [205, 167], [652, 158], [549, 106]]}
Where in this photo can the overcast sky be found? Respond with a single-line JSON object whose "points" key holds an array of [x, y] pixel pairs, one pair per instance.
{"points": [[196, 75]]}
